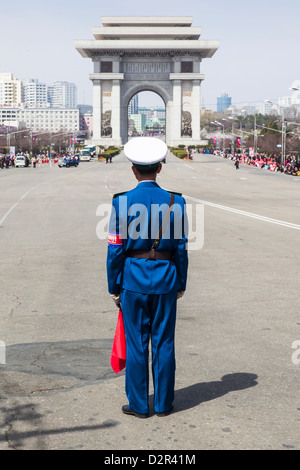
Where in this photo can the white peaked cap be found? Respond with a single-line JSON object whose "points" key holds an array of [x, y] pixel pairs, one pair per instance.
{"points": [[145, 150]]}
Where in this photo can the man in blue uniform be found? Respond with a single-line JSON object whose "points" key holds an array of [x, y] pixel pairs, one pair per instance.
{"points": [[147, 266]]}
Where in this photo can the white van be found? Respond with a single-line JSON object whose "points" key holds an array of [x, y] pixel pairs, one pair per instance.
{"points": [[85, 156], [20, 161]]}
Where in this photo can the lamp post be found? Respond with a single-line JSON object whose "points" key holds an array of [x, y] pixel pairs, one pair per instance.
{"points": [[217, 123], [222, 125], [9, 134], [283, 132], [241, 131], [255, 136], [232, 137], [8, 141], [214, 125]]}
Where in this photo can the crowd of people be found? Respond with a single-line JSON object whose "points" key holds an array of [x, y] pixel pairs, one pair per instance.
{"points": [[7, 161], [265, 162]]}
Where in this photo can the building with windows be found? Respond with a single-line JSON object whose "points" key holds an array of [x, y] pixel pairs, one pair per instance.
{"points": [[34, 93], [159, 113], [133, 107], [40, 119], [63, 95], [263, 108], [146, 111], [86, 122], [10, 90], [223, 102], [39, 107], [139, 121]]}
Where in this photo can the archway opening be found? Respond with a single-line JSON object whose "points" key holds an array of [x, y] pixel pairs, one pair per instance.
{"points": [[147, 115]]}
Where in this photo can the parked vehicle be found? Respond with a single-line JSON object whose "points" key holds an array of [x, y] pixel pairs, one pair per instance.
{"points": [[21, 161]]}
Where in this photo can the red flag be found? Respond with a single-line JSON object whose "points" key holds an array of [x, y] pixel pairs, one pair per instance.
{"points": [[118, 353]]}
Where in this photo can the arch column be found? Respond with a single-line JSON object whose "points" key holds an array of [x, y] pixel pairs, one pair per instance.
{"points": [[176, 113], [116, 113], [97, 109], [196, 110]]}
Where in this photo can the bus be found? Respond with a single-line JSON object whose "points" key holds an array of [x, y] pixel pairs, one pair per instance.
{"points": [[91, 149]]}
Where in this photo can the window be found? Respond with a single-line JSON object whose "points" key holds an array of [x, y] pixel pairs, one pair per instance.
{"points": [[106, 67], [186, 67]]}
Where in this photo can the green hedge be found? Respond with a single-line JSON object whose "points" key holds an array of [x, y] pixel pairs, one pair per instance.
{"points": [[110, 152], [178, 152]]}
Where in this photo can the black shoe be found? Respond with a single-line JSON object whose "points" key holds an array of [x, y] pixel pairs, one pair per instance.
{"points": [[128, 411], [165, 413]]}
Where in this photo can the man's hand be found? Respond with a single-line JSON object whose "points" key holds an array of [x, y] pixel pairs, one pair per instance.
{"points": [[180, 294], [116, 299]]}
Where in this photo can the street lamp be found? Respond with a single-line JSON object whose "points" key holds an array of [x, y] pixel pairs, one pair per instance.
{"points": [[8, 134], [217, 123], [283, 132], [222, 125], [255, 136], [241, 130], [232, 137]]}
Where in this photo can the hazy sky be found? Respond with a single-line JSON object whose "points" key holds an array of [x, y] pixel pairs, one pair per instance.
{"points": [[258, 57]]}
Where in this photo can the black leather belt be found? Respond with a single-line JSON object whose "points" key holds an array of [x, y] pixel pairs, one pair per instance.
{"points": [[151, 254]]}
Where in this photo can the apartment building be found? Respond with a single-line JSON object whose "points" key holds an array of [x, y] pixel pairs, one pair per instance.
{"points": [[139, 121], [10, 90], [34, 93], [40, 119], [146, 111], [63, 95], [133, 107]]}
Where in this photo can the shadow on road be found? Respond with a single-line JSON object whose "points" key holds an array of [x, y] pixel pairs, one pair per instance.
{"points": [[195, 394], [27, 415]]}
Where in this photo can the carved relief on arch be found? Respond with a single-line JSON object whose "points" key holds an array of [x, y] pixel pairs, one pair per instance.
{"points": [[106, 129], [186, 120]]}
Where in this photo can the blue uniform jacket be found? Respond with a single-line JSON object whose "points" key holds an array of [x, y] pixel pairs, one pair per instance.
{"points": [[134, 223]]}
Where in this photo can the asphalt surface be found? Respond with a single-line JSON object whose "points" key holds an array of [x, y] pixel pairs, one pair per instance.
{"points": [[237, 376]]}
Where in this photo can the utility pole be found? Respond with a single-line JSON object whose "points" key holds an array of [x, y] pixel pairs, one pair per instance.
{"points": [[255, 136]]}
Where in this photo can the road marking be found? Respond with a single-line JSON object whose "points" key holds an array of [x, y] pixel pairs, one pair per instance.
{"points": [[18, 202], [44, 182], [244, 213]]}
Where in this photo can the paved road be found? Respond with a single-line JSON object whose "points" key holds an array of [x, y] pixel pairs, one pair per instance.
{"points": [[237, 378]]}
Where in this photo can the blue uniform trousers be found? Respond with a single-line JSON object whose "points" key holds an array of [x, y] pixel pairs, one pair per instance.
{"points": [[149, 316]]}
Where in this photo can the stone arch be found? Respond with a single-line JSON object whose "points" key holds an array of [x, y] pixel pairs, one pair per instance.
{"points": [[133, 90], [146, 86], [159, 54]]}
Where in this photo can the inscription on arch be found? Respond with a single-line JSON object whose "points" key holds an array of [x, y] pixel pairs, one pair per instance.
{"points": [[146, 67]]}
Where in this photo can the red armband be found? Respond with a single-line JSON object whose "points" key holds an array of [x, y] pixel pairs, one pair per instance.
{"points": [[115, 239]]}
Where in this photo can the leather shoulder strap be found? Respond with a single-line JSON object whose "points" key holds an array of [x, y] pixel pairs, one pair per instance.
{"points": [[164, 222]]}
